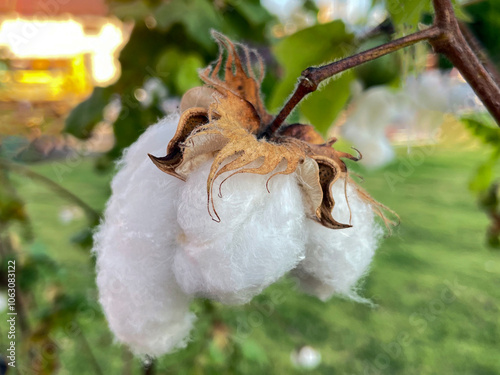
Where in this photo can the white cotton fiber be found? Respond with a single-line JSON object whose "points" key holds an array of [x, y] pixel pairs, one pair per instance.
{"points": [[135, 246], [337, 259], [259, 238], [366, 126]]}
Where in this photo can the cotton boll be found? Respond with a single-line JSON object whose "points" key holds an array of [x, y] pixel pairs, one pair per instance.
{"points": [[430, 90], [259, 238], [376, 149], [373, 110], [337, 259], [135, 246], [367, 124]]}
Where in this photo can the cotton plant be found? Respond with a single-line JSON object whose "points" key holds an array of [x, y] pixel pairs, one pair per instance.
{"points": [[229, 210]]}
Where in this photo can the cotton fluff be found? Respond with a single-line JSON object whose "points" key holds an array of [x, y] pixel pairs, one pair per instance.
{"points": [[259, 238], [337, 259], [135, 246]]}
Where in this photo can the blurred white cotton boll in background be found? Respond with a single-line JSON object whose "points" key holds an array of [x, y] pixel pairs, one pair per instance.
{"points": [[337, 259], [429, 90], [366, 126], [135, 246], [259, 238]]}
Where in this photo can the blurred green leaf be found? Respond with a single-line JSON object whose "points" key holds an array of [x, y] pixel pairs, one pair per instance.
{"points": [[314, 46], [216, 354], [483, 177], [180, 69], [381, 71], [187, 75], [11, 205], [408, 12], [252, 10], [197, 16], [484, 18], [323, 107], [33, 266], [62, 310], [83, 238], [483, 127], [253, 352], [87, 114]]}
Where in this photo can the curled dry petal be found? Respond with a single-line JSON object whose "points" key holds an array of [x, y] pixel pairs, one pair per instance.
{"points": [[222, 121]]}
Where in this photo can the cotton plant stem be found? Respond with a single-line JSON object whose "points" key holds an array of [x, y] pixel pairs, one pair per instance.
{"points": [[312, 77], [445, 37], [453, 45], [479, 51]]}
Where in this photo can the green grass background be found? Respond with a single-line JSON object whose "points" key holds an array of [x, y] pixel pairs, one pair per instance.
{"points": [[434, 282]]}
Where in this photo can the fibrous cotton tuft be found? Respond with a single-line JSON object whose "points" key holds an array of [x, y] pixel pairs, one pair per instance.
{"points": [[336, 259], [158, 247], [135, 246], [259, 237]]}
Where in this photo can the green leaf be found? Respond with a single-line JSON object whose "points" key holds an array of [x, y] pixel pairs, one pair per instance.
{"points": [[408, 12], [197, 17], [187, 75], [252, 10], [314, 46], [381, 71], [322, 109], [484, 128], [179, 69], [483, 177], [216, 354], [11, 206], [86, 115], [131, 123], [32, 270], [253, 352]]}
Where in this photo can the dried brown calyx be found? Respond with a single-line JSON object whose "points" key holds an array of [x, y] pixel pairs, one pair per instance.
{"points": [[225, 121]]}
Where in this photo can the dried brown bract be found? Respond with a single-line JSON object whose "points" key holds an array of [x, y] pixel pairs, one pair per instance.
{"points": [[225, 121]]}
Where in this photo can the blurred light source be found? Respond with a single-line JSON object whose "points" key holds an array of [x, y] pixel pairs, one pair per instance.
{"points": [[29, 38]]}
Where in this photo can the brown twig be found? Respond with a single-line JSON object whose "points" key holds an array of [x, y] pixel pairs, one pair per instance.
{"points": [[479, 51], [445, 37], [453, 45]]}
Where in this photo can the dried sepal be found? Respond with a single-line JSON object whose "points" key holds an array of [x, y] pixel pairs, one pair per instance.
{"points": [[239, 78], [190, 119]]}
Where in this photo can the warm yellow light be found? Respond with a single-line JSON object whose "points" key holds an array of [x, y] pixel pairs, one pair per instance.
{"points": [[25, 38]]}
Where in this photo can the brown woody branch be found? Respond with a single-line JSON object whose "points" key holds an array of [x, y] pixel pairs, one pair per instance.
{"points": [[479, 51], [444, 35]]}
